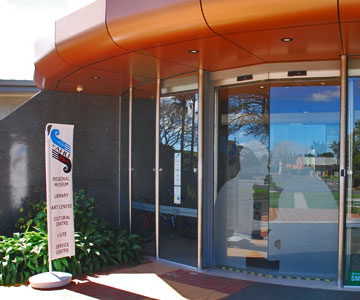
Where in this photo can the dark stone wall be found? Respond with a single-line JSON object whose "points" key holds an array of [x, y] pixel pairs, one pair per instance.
{"points": [[96, 151]]}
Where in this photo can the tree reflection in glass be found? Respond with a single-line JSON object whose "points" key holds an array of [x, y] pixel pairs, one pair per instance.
{"points": [[243, 158], [276, 207], [178, 133], [178, 178], [353, 184]]}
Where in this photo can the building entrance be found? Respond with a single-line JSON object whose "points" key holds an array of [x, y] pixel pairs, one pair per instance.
{"points": [[276, 209]]}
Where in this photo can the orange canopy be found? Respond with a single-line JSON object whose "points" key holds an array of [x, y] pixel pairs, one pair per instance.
{"points": [[111, 45]]}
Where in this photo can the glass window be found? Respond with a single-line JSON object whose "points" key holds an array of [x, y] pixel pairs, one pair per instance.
{"points": [[352, 257], [241, 206], [277, 203], [143, 164], [304, 177], [178, 176]]}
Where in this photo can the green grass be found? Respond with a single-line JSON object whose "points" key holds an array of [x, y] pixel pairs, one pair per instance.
{"points": [[321, 200], [316, 200]]}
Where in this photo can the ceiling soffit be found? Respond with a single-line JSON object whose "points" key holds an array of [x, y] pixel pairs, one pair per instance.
{"points": [[139, 24], [82, 38], [143, 40], [349, 12], [233, 16]]}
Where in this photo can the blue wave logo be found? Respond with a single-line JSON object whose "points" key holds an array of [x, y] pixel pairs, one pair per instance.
{"points": [[63, 145]]}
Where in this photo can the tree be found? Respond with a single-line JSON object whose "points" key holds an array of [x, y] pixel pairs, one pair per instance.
{"points": [[249, 112], [178, 124]]}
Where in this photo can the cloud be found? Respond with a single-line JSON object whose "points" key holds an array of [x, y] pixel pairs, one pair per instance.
{"points": [[326, 96]]}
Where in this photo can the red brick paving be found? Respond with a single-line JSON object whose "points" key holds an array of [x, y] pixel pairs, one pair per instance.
{"points": [[102, 292], [165, 281], [216, 283]]}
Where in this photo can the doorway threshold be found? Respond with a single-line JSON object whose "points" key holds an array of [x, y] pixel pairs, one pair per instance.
{"points": [[172, 263], [328, 285]]}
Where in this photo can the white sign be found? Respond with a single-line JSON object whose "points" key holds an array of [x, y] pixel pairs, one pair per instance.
{"points": [[177, 178], [177, 168], [59, 190]]}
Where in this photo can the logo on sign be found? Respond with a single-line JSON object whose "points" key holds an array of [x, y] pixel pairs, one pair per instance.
{"points": [[61, 150]]}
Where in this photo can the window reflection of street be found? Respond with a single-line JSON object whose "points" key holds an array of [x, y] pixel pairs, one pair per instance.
{"points": [[278, 178], [304, 138], [243, 183], [352, 250]]}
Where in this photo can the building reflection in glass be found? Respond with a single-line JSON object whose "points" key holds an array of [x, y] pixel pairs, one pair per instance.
{"points": [[277, 201], [352, 249]]}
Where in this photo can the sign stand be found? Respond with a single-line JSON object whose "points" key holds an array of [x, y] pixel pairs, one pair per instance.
{"points": [[50, 280], [59, 194]]}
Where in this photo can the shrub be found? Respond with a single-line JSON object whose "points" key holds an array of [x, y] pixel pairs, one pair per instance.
{"points": [[97, 244], [26, 254], [34, 214], [22, 256]]}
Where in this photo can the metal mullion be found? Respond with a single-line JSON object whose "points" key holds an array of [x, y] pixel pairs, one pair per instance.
{"points": [[130, 151], [342, 195], [200, 162], [216, 136], [157, 167], [119, 165]]}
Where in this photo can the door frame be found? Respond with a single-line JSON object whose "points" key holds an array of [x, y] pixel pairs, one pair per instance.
{"points": [[281, 71], [201, 85]]}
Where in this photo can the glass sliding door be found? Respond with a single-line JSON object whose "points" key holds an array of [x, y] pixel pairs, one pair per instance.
{"points": [[304, 176], [178, 170], [352, 231], [276, 210], [241, 207], [143, 164]]}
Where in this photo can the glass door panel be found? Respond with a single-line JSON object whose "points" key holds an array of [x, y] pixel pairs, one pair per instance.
{"points": [[276, 209], [241, 207], [143, 164], [178, 172], [352, 249], [304, 176]]}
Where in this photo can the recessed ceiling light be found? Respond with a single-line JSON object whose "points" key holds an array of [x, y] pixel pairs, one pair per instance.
{"points": [[322, 83], [261, 87], [287, 39], [193, 51], [79, 89], [95, 77]]}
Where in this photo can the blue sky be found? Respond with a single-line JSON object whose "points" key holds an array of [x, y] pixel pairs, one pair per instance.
{"points": [[305, 98], [307, 103], [22, 22]]}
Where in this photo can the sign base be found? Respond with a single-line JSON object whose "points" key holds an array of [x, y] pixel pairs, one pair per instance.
{"points": [[50, 280]]}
